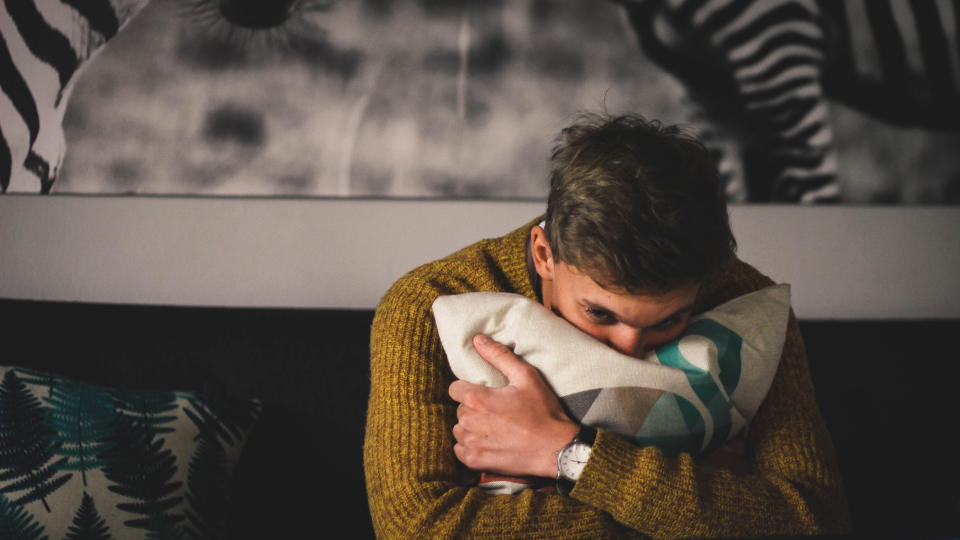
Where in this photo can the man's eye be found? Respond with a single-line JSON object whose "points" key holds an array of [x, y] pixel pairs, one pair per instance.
{"points": [[598, 314], [669, 323]]}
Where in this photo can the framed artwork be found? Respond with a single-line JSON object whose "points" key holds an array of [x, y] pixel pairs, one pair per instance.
{"points": [[809, 102]]}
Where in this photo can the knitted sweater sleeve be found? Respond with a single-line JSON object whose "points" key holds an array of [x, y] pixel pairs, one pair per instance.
{"points": [[794, 486], [412, 474]]}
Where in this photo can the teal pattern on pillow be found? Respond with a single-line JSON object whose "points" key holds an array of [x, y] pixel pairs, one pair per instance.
{"points": [[665, 418], [79, 460], [728, 345], [673, 424]]}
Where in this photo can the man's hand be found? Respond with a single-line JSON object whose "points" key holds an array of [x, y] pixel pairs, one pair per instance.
{"points": [[514, 430], [732, 455]]}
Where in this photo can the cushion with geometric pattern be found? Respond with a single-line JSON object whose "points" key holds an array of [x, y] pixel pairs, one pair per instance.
{"points": [[79, 460], [689, 395]]}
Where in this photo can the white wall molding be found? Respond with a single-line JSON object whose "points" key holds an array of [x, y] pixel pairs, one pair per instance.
{"points": [[843, 262]]}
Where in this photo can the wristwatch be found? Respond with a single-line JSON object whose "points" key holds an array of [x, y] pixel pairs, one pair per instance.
{"points": [[572, 458]]}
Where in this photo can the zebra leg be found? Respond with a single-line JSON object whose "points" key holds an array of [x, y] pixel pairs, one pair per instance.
{"points": [[20, 119], [43, 45], [39, 166], [803, 157], [6, 160], [723, 145], [759, 63], [778, 82]]}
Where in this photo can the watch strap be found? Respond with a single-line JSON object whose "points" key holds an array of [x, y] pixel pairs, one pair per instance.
{"points": [[587, 434]]}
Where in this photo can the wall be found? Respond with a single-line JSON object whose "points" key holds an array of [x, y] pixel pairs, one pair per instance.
{"points": [[843, 262]]}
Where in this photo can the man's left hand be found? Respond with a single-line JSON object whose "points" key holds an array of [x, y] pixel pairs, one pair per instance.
{"points": [[514, 430], [732, 455]]}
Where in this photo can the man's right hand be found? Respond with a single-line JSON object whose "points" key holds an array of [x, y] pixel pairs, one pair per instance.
{"points": [[513, 430]]}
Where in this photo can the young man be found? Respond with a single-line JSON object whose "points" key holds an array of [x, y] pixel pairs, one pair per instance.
{"points": [[635, 241]]}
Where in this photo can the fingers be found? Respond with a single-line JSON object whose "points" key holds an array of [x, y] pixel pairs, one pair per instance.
{"points": [[731, 455], [468, 443], [459, 432], [467, 456], [460, 449], [734, 446], [464, 392], [501, 357], [465, 416]]}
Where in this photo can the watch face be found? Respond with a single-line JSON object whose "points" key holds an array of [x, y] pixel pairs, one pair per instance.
{"points": [[573, 460]]}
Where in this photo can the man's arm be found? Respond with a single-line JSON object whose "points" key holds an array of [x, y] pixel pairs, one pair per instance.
{"points": [[516, 430], [505, 430], [412, 472], [793, 487]]}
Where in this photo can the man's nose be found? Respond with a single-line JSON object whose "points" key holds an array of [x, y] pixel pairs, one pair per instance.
{"points": [[629, 341]]}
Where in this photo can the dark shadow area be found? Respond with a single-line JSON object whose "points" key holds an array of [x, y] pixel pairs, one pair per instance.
{"points": [[888, 393], [887, 390], [302, 468]]}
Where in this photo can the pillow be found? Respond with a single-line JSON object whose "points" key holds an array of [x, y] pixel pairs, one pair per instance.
{"points": [[79, 460], [689, 395]]}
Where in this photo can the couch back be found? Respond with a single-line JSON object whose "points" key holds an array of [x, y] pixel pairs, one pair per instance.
{"points": [[886, 389], [302, 468]]}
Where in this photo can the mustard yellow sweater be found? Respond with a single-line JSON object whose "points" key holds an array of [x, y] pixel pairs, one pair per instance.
{"points": [[412, 474]]}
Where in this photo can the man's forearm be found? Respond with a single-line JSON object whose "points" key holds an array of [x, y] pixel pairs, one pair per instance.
{"points": [[412, 474]]}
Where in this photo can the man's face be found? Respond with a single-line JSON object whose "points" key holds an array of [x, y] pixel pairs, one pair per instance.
{"points": [[631, 324]]}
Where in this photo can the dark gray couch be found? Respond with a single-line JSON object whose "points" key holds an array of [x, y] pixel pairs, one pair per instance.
{"points": [[887, 390]]}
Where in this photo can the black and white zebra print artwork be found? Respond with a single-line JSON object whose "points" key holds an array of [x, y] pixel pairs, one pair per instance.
{"points": [[394, 99], [772, 67], [802, 100], [45, 43]]}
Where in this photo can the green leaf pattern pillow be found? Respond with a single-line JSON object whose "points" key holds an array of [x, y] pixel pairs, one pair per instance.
{"points": [[79, 460]]}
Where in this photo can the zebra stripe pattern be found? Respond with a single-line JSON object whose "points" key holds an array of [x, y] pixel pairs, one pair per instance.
{"points": [[773, 64], [897, 60], [43, 43]]}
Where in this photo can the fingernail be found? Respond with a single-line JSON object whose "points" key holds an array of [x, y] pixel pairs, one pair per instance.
{"points": [[480, 339]]}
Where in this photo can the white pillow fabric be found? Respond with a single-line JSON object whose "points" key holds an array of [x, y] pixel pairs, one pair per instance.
{"points": [[690, 395]]}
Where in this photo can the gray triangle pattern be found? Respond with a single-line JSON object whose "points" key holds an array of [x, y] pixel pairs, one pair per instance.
{"points": [[579, 403], [622, 410]]}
